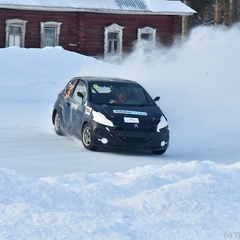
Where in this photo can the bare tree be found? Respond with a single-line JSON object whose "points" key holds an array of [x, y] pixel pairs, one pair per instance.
{"points": [[211, 12], [233, 9], [218, 12], [185, 22], [226, 11]]}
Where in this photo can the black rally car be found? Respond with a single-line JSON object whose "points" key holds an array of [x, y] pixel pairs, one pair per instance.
{"points": [[110, 112]]}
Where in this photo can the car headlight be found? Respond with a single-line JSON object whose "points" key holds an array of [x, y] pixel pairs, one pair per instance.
{"points": [[162, 124], [100, 118]]}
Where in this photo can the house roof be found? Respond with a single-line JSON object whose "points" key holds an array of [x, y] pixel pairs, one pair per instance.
{"points": [[160, 7]]}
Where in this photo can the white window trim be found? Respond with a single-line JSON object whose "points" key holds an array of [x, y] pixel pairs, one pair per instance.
{"points": [[147, 30], [18, 23], [56, 25], [114, 28]]}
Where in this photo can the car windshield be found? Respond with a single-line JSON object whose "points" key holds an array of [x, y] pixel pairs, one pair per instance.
{"points": [[119, 94]]}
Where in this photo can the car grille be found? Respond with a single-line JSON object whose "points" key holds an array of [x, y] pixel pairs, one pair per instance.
{"points": [[136, 135]]}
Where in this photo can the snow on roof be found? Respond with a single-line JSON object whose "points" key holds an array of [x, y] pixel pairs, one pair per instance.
{"points": [[163, 7], [169, 7]]}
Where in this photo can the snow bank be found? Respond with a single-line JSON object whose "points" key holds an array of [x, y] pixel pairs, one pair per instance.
{"points": [[195, 200]]}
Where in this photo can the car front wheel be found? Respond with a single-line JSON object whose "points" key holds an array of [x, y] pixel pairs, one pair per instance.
{"points": [[86, 138], [57, 125]]}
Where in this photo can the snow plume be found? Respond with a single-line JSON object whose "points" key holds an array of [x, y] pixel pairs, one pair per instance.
{"points": [[197, 80]]}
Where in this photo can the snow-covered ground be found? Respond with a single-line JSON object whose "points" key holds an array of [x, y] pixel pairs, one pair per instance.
{"points": [[52, 188]]}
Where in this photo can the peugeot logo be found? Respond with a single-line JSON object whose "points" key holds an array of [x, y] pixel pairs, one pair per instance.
{"points": [[135, 125]]}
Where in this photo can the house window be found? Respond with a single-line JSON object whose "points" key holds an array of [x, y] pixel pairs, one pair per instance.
{"points": [[50, 32], [147, 34], [15, 32], [113, 42]]}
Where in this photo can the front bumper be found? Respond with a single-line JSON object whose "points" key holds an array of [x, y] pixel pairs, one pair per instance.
{"points": [[147, 138]]}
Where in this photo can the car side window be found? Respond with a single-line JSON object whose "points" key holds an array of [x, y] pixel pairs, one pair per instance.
{"points": [[69, 88], [82, 89]]}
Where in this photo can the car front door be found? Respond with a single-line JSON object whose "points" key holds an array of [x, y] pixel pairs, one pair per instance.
{"points": [[77, 108], [65, 104]]}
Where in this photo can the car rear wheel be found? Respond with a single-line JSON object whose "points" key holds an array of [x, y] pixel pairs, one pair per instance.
{"points": [[57, 125], [87, 138]]}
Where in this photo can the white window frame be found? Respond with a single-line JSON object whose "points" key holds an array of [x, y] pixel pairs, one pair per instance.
{"points": [[147, 30], [113, 28], [15, 23], [50, 24]]}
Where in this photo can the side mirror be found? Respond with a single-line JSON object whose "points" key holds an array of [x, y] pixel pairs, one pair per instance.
{"points": [[80, 94], [156, 99]]}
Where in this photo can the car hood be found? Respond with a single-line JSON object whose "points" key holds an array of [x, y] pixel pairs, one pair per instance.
{"points": [[144, 116]]}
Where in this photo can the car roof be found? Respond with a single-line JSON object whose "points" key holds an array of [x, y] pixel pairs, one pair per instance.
{"points": [[90, 79]]}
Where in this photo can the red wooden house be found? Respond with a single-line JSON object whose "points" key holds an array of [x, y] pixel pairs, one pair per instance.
{"points": [[91, 27]]}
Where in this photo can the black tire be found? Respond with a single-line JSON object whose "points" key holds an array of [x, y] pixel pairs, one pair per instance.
{"points": [[159, 152], [87, 138], [57, 125]]}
